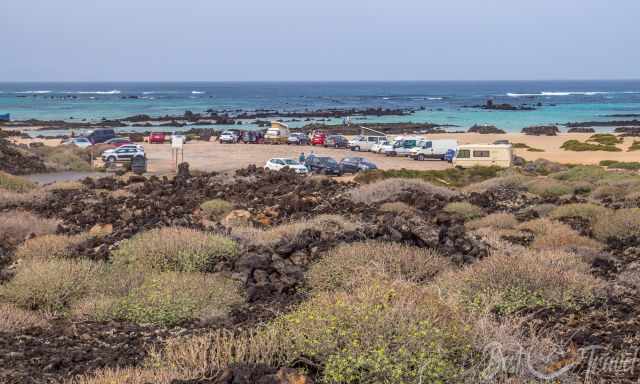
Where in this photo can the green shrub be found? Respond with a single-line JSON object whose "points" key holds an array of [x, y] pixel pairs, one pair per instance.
{"points": [[606, 163], [549, 188], [175, 249], [465, 210], [555, 235], [15, 183], [586, 211], [515, 181], [510, 281], [452, 177], [618, 224], [635, 146], [345, 266], [50, 286], [216, 208], [170, 298], [588, 173], [631, 165], [535, 150], [380, 333], [605, 139], [520, 146], [575, 145]]}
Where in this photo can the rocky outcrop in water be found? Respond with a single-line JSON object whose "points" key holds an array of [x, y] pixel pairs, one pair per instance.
{"points": [[485, 129], [541, 130]]}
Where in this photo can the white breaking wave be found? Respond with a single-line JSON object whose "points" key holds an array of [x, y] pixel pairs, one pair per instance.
{"points": [[592, 93], [197, 92], [435, 98], [34, 92], [112, 92]]}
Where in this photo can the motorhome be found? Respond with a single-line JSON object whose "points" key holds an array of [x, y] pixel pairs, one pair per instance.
{"points": [[277, 134], [432, 149], [470, 155]]}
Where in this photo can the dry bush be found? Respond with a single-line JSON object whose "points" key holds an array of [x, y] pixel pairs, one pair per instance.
{"points": [[548, 187], [397, 207], [16, 225], [499, 220], [127, 376], [49, 247], [64, 158], [555, 235], [170, 298], [175, 249], [14, 319], [542, 210], [585, 211], [213, 352], [382, 332], [616, 189], [50, 286], [508, 282], [344, 266], [618, 224], [323, 223], [390, 189], [465, 210], [216, 208], [513, 181], [13, 183], [64, 186], [11, 199]]}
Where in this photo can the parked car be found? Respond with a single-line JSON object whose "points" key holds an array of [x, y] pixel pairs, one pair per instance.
{"points": [[432, 149], [298, 139], [336, 141], [402, 147], [323, 164], [378, 147], [80, 142], [228, 137], [98, 136], [157, 138], [318, 138], [356, 164], [279, 163], [117, 141], [251, 137], [364, 143], [124, 153]]}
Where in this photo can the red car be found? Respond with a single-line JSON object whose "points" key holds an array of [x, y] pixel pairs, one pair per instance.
{"points": [[156, 137], [318, 138], [117, 142]]}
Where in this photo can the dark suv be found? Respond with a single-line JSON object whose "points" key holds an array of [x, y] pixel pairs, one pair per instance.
{"points": [[336, 141], [101, 135], [323, 165], [356, 164]]}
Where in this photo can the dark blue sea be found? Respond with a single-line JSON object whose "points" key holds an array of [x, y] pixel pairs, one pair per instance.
{"points": [[444, 102]]}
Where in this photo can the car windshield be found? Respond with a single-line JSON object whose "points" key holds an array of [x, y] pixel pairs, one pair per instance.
{"points": [[82, 140], [290, 162]]}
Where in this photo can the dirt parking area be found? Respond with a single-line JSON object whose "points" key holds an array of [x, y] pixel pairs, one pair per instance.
{"points": [[213, 156]]}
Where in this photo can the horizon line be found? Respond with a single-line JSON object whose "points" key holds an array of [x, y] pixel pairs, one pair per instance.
{"points": [[315, 81]]}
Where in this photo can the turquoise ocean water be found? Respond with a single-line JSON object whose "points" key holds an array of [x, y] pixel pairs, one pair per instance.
{"points": [[444, 102]]}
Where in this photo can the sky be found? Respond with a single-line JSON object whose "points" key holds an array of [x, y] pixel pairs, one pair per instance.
{"points": [[298, 40]]}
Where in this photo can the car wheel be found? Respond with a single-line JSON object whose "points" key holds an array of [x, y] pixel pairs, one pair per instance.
{"points": [[421, 157], [111, 159]]}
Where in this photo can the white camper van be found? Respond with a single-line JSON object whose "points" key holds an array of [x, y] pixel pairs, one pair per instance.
{"points": [[277, 134], [433, 149], [470, 155]]}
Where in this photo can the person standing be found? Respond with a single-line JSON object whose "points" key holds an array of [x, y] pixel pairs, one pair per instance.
{"points": [[301, 158]]}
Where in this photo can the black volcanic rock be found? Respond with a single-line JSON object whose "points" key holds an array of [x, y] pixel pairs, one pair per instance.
{"points": [[541, 130]]}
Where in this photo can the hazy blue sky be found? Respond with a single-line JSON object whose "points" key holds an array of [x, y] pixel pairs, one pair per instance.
{"points": [[102, 40]]}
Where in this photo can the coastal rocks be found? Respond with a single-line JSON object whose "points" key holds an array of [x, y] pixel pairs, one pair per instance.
{"points": [[491, 105], [485, 129], [628, 131], [503, 199], [387, 128], [541, 130], [613, 123], [581, 130]]}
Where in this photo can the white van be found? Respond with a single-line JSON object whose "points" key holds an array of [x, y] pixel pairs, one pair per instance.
{"points": [[470, 155], [277, 134], [403, 146], [433, 149], [364, 143]]}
